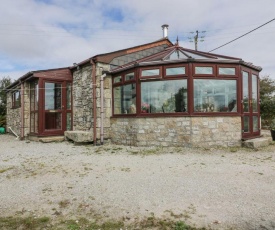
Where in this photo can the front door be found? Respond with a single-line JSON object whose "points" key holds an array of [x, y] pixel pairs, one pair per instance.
{"points": [[250, 105], [55, 107]]}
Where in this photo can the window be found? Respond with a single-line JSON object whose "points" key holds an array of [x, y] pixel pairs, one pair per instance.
{"points": [[227, 71], [164, 96], [125, 99], [16, 99], [203, 70], [175, 71], [34, 107], [117, 79], [130, 76], [150, 72], [215, 95]]}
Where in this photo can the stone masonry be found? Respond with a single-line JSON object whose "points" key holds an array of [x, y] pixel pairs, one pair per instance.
{"points": [[83, 99], [14, 115], [177, 131]]}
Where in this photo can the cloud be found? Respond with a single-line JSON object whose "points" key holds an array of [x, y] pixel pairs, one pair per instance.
{"points": [[56, 33]]}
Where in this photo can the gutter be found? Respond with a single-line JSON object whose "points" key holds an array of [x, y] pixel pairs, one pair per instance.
{"points": [[102, 108], [94, 99]]}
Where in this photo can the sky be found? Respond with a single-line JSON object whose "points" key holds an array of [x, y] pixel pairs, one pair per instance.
{"points": [[46, 34]]}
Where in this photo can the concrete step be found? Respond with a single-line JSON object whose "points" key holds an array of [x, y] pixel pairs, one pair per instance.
{"points": [[47, 139], [257, 142]]}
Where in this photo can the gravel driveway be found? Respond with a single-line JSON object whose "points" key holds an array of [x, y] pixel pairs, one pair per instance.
{"points": [[213, 188]]}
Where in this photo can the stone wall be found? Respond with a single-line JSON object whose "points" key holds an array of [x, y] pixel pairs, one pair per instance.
{"points": [[83, 99], [13, 116], [177, 131]]}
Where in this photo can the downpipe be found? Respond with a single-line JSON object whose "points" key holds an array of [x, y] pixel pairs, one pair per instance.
{"points": [[17, 137], [102, 108]]}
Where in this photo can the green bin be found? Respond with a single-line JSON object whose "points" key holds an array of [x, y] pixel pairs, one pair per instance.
{"points": [[2, 130]]}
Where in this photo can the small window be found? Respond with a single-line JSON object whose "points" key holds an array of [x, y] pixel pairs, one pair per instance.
{"points": [[117, 79], [227, 71], [150, 72], [175, 71], [203, 70], [16, 99], [130, 76]]}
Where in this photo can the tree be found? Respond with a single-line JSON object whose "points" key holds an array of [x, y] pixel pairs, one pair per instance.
{"points": [[267, 96], [4, 82]]}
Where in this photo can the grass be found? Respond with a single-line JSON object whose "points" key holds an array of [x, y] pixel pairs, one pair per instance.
{"points": [[32, 223]]}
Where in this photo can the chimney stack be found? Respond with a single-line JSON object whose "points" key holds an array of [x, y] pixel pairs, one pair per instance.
{"points": [[165, 30]]}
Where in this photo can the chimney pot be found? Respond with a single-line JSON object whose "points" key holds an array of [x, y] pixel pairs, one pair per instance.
{"points": [[165, 30]]}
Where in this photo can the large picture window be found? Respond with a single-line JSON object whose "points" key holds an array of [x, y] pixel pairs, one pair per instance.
{"points": [[215, 95], [125, 99], [164, 96]]}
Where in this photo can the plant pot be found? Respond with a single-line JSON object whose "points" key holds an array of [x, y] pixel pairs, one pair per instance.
{"points": [[2, 130], [273, 134]]}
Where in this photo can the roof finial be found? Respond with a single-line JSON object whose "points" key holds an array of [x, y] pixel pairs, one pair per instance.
{"points": [[177, 41]]}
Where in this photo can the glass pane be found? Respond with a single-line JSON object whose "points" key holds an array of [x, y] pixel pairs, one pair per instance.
{"points": [[227, 71], [69, 95], [255, 124], [254, 93], [53, 120], [149, 72], [164, 96], [175, 71], [69, 122], [117, 79], [215, 95], [245, 92], [203, 70], [32, 122], [125, 99], [246, 124], [129, 76], [52, 96], [176, 55]]}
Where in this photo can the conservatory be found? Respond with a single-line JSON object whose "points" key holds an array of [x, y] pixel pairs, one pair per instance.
{"points": [[182, 97]]}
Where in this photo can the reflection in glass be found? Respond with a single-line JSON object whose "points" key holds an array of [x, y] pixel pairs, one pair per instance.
{"points": [[254, 93], [150, 72], [175, 71], [246, 124], [215, 95], [227, 71], [53, 96], [130, 76], [117, 79], [164, 96], [255, 124], [69, 95], [203, 70], [69, 122], [245, 92], [125, 99]]}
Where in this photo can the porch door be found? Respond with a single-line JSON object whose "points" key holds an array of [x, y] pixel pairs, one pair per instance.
{"points": [[250, 105], [54, 108]]}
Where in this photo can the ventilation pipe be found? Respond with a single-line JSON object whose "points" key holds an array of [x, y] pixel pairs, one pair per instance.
{"points": [[165, 30], [102, 108]]}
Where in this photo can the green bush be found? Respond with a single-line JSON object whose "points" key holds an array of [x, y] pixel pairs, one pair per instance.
{"points": [[2, 121]]}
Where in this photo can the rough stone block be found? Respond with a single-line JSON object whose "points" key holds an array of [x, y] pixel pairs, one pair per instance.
{"points": [[256, 143], [79, 136]]}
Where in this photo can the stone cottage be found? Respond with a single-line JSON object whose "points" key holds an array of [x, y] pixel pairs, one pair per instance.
{"points": [[153, 94]]}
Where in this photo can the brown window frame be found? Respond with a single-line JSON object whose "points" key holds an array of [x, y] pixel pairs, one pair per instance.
{"points": [[204, 65], [177, 75], [16, 103], [153, 76], [226, 75]]}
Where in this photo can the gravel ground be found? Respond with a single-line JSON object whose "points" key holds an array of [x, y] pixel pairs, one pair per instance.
{"points": [[213, 188]]}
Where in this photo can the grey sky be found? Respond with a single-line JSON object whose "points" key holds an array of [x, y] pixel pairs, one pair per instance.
{"points": [[56, 33]]}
